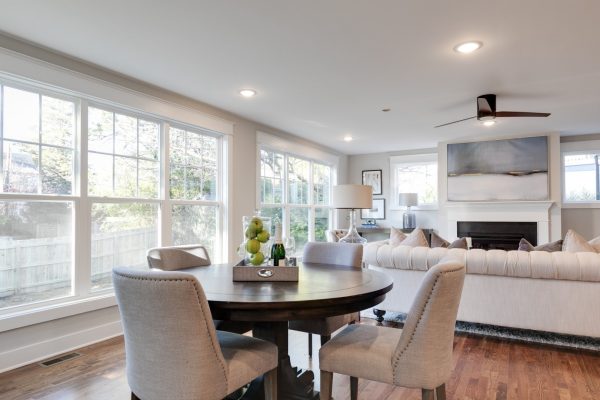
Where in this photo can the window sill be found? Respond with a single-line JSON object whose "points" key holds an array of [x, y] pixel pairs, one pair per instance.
{"points": [[46, 313], [581, 205], [416, 208]]}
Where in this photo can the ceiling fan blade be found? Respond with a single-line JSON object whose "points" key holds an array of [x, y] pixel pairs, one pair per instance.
{"points": [[454, 122], [520, 114]]}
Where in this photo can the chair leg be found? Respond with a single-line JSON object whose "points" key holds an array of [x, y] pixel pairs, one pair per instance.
{"points": [[325, 339], [353, 388], [440, 392], [134, 397], [271, 385], [310, 345], [427, 394], [326, 385]]}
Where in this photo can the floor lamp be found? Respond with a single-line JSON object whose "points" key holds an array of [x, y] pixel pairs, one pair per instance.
{"points": [[352, 197]]}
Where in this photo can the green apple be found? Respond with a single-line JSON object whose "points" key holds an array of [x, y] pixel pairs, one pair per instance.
{"points": [[256, 223], [250, 232], [257, 259], [252, 246], [263, 236]]}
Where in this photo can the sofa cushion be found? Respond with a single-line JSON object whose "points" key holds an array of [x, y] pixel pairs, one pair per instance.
{"points": [[524, 245], [574, 242], [396, 236], [438, 241], [416, 239]]}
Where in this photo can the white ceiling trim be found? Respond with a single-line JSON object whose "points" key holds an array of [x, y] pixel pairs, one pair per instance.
{"points": [[32, 70]]}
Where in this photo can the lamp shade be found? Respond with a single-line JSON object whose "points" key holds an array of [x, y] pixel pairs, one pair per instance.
{"points": [[408, 199], [352, 196]]}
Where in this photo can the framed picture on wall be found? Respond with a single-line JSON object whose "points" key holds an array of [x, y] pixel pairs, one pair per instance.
{"points": [[377, 212], [372, 177]]}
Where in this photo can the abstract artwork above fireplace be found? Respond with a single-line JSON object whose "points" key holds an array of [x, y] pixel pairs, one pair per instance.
{"points": [[498, 170]]}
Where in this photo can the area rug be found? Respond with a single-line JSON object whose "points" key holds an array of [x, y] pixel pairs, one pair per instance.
{"points": [[501, 332]]}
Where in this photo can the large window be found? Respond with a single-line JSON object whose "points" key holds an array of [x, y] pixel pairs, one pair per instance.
{"points": [[415, 174], [296, 191], [581, 172], [91, 182]]}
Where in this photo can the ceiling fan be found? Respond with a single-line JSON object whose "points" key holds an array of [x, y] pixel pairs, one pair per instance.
{"points": [[486, 111]]}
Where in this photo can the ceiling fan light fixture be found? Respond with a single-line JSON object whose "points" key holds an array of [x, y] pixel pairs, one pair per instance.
{"points": [[489, 122], [248, 93], [468, 47]]}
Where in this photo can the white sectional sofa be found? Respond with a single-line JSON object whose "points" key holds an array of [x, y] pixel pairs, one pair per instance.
{"points": [[554, 292]]}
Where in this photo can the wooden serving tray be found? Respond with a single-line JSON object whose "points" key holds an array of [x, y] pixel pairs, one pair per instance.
{"points": [[266, 273]]}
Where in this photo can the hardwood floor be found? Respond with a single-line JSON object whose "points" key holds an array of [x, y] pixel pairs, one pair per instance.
{"points": [[484, 368]]}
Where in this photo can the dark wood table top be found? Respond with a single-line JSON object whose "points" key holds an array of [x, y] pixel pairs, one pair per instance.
{"points": [[321, 291]]}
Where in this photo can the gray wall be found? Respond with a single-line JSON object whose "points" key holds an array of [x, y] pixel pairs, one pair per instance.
{"points": [[585, 221]]}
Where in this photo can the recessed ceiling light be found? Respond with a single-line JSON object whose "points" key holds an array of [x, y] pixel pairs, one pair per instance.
{"points": [[347, 138], [248, 92], [489, 122], [467, 47]]}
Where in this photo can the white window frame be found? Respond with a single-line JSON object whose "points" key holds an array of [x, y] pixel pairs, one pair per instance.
{"points": [[278, 145], [413, 159], [575, 148], [82, 299]]}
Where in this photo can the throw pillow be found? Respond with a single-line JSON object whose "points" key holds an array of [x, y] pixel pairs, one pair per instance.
{"points": [[524, 245], [574, 242], [596, 243], [396, 236], [416, 239], [438, 241], [459, 244]]}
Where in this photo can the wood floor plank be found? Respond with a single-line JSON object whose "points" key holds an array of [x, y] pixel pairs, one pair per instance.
{"points": [[484, 368]]}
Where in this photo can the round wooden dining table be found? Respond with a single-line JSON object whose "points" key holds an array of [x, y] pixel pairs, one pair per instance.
{"points": [[321, 291]]}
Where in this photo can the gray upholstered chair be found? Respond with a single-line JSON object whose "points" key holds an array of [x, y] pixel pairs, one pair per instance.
{"points": [[346, 254], [418, 356], [172, 349], [171, 258]]}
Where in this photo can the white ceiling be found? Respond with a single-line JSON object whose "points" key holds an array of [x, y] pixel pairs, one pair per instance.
{"points": [[324, 69]]}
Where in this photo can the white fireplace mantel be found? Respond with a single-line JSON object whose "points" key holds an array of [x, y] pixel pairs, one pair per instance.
{"points": [[501, 211]]}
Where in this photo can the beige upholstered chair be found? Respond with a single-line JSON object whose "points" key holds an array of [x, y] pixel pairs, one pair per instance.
{"points": [[418, 356], [188, 256], [346, 254], [171, 346], [334, 235], [177, 257]]}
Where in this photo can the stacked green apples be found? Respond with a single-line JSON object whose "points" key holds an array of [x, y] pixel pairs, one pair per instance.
{"points": [[256, 235]]}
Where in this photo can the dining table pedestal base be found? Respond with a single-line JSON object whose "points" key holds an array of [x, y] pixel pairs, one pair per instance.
{"points": [[292, 383]]}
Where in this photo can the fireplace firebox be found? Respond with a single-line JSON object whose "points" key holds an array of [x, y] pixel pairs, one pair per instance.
{"points": [[497, 235]]}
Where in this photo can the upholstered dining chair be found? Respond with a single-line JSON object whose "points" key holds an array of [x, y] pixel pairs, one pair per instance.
{"points": [[418, 356], [345, 254], [172, 349], [188, 256], [177, 257], [334, 235]]}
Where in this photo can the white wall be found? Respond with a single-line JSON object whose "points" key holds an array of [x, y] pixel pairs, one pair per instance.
{"points": [[34, 342], [585, 220], [436, 219], [358, 163]]}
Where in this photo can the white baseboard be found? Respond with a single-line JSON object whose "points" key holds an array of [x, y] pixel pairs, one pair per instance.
{"points": [[35, 352]]}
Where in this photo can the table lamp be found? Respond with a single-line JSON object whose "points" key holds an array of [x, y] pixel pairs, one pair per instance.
{"points": [[408, 200], [352, 197]]}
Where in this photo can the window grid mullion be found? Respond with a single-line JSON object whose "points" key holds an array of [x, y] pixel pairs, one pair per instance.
{"points": [[39, 143]]}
